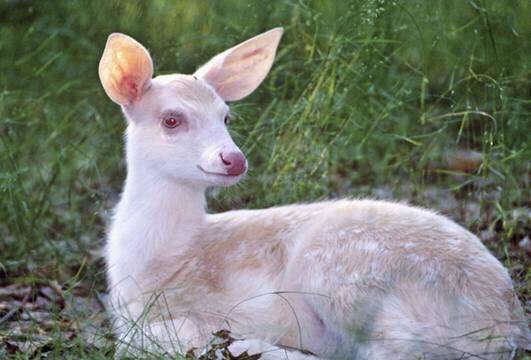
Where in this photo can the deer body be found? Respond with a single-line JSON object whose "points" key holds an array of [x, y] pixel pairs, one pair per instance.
{"points": [[344, 279]]}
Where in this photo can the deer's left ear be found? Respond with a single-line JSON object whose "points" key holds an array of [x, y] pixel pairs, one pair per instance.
{"points": [[125, 69], [237, 72]]}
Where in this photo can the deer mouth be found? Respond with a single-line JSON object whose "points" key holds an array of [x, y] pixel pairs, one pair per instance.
{"points": [[211, 173]]}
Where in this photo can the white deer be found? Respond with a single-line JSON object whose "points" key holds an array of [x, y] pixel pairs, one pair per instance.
{"points": [[342, 279]]}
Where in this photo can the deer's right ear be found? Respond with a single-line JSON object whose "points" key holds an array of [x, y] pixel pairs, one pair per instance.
{"points": [[125, 69]]}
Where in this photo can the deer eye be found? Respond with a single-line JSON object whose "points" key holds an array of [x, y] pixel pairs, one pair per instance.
{"points": [[172, 121], [227, 119]]}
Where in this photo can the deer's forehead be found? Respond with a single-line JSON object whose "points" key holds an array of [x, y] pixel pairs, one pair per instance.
{"points": [[187, 92]]}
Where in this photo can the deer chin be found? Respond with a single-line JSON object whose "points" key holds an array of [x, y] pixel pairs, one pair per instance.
{"points": [[219, 179]]}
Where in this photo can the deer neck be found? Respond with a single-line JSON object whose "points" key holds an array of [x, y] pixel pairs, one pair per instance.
{"points": [[156, 214]]}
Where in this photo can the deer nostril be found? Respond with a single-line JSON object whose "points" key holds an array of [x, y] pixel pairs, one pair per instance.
{"points": [[225, 162]]}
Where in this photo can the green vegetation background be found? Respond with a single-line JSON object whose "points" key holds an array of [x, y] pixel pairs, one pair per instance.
{"points": [[366, 98]]}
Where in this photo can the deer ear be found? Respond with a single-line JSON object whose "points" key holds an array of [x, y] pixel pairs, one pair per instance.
{"points": [[125, 69], [237, 72]]}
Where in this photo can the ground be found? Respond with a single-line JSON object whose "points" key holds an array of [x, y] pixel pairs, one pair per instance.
{"points": [[423, 102]]}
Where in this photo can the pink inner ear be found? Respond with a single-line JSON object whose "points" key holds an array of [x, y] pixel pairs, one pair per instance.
{"points": [[129, 83], [252, 53]]}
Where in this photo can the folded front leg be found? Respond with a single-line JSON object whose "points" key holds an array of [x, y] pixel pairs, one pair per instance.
{"points": [[266, 350]]}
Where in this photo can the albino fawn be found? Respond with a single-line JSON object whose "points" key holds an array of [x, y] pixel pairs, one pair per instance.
{"points": [[342, 279]]}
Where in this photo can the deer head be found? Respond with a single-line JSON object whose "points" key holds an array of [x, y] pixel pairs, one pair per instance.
{"points": [[177, 124]]}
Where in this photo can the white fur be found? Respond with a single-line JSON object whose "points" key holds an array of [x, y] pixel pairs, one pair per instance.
{"points": [[344, 279]]}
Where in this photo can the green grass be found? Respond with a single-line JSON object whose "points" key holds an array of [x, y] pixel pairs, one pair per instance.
{"points": [[366, 98]]}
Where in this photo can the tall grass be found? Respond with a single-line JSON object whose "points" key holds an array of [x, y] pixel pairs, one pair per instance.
{"points": [[364, 96]]}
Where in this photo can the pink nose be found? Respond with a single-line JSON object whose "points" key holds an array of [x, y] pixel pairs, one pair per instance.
{"points": [[234, 162]]}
